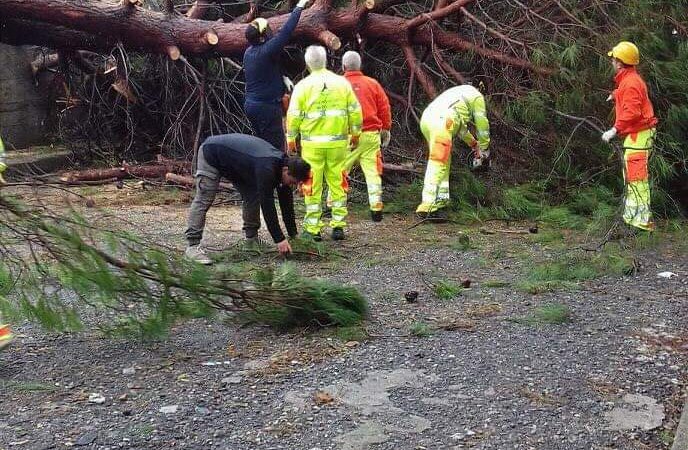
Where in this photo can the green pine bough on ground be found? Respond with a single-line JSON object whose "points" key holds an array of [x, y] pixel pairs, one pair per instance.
{"points": [[55, 267]]}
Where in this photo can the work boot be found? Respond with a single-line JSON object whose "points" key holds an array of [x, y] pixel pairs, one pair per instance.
{"points": [[6, 336], [327, 213], [422, 215], [311, 237], [338, 234], [376, 216], [197, 253], [439, 216]]}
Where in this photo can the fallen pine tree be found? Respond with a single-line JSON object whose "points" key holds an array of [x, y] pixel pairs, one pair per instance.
{"points": [[56, 268]]}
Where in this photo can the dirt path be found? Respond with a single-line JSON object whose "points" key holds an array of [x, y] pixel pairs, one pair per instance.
{"points": [[480, 372]]}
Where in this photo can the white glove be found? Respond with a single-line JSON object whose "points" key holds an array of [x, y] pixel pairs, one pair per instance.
{"points": [[302, 3], [484, 156], [385, 138], [609, 135], [288, 83], [610, 98]]}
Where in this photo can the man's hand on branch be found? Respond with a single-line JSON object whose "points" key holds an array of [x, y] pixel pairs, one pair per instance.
{"points": [[284, 247]]}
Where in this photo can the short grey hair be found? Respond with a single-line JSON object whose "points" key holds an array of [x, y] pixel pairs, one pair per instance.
{"points": [[316, 57], [351, 61]]}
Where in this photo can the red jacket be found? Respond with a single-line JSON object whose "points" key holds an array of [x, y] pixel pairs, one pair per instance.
{"points": [[374, 102], [634, 112]]}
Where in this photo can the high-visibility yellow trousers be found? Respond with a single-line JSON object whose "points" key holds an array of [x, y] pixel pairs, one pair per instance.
{"points": [[637, 147], [369, 155], [436, 185], [327, 165]]}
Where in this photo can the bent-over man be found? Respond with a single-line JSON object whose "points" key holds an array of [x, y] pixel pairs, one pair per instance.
{"points": [[256, 168]]}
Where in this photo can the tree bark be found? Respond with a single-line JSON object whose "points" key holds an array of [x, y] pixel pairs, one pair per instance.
{"points": [[98, 24]]}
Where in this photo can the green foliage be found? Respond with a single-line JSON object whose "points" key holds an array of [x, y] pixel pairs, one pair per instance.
{"points": [[135, 287], [314, 302], [406, 198], [352, 333], [420, 329], [566, 270], [551, 314], [446, 290]]}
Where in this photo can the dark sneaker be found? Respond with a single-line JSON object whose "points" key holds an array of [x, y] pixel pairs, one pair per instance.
{"points": [[439, 216], [376, 216], [338, 234], [311, 237]]}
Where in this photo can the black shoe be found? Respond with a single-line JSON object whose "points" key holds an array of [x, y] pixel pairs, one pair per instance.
{"points": [[311, 237], [338, 234], [439, 216], [376, 216]]}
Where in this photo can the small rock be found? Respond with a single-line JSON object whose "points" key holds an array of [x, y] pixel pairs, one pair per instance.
{"points": [[666, 274], [235, 379], [128, 371], [86, 439], [171, 409], [96, 398], [202, 410]]}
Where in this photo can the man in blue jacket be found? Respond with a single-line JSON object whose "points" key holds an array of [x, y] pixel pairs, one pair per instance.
{"points": [[265, 84]]}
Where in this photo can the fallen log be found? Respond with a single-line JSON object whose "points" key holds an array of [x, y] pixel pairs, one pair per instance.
{"points": [[152, 171], [399, 168]]}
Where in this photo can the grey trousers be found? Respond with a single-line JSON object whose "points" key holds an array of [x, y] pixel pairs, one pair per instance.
{"points": [[207, 184]]}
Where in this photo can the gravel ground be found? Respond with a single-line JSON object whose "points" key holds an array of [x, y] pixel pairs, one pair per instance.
{"points": [[482, 380]]}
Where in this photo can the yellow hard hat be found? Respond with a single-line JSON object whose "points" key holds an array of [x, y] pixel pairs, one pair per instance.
{"points": [[260, 24], [626, 52]]}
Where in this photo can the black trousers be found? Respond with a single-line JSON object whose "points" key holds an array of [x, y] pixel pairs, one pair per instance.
{"points": [[266, 121]]}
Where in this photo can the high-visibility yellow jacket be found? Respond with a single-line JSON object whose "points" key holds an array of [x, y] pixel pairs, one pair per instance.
{"points": [[455, 104], [323, 111]]}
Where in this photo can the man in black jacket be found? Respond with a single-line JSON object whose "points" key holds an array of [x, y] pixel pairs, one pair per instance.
{"points": [[256, 169]]}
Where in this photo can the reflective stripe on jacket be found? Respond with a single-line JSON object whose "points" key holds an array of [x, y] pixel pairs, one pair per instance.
{"points": [[377, 114], [323, 109], [634, 112]]}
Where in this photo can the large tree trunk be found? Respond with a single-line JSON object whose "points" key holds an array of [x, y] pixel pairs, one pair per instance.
{"points": [[97, 25]]}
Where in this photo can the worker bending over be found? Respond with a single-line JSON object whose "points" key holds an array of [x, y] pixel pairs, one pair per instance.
{"points": [[265, 84], [377, 121], [449, 114], [636, 121], [256, 169], [325, 115]]}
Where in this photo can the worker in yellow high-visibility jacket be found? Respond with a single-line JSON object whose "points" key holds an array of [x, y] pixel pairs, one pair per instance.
{"points": [[326, 116], [448, 115]]}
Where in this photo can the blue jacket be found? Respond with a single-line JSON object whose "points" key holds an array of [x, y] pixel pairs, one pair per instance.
{"points": [[262, 64]]}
